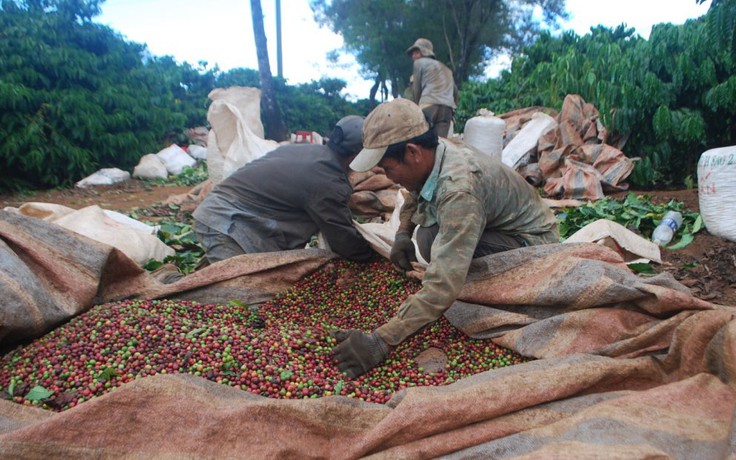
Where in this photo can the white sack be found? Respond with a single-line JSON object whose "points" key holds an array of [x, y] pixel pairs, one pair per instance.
{"points": [[52, 212], [197, 152], [175, 159], [43, 211], [485, 132], [526, 140], [381, 236], [134, 238], [105, 176], [94, 223], [150, 166], [133, 224], [717, 191], [236, 136]]}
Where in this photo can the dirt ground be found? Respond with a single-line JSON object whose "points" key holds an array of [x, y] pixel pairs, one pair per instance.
{"points": [[707, 266]]}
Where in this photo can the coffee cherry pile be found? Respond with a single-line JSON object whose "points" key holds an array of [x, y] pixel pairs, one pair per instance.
{"points": [[283, 349]]}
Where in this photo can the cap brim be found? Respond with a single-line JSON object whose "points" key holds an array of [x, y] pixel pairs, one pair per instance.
{"points": [[367, 159]]}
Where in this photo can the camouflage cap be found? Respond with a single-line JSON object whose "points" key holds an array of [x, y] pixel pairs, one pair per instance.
{"points": [[391, 122]]}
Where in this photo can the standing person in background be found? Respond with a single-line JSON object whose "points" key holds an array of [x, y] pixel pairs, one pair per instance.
{"points": [[433, 87], [279, 201], [466, 205]]}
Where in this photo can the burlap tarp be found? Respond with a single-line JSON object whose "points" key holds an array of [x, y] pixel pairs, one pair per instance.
{"points": [[628, 367], [49, 274], [578, 158]]}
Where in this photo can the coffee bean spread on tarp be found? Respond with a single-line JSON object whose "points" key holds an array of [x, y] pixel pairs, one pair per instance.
{"points": [[282, 349]]}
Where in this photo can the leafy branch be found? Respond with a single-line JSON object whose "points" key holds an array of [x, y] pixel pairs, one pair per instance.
{"points": [[636, 212]]}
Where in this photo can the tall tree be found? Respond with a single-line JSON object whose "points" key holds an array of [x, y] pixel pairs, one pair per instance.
{"points": [[273, 121], [82, 10], [466, 33]]}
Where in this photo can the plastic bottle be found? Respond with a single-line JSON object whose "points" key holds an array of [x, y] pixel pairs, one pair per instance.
{"points": [[666, 229]]}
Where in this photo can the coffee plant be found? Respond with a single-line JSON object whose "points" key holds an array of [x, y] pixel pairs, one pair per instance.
{"points": [[670, 97], [75, 96]]}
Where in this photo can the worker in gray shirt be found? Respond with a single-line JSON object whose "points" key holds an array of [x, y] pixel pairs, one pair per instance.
{"points": [[281, 200], [433, 87]]}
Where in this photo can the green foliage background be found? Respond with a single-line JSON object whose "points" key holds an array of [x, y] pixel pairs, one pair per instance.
{"points": [[76, 97], [73, 97], [672, 96]]}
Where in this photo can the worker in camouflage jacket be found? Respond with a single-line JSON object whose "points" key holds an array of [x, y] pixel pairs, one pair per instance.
{"points": [[281, 200], [464, 205]]}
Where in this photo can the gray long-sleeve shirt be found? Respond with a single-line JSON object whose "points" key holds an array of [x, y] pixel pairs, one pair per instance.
{"points": [[433, 83], [279, 201]]}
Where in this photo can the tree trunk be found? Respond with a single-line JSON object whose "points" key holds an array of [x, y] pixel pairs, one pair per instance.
{"points": [[374, 90], [273, 122]]}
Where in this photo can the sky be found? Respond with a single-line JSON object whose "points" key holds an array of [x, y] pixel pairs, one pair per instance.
{"points": [[220, 31]]}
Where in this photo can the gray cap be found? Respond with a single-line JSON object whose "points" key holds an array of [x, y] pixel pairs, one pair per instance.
{"points": [[424, 46], [347, 136]]}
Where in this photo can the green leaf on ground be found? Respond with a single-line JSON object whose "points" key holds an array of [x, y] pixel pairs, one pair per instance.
{"points": [[108, 373], [635, 212], [644, 269], [196, 332], [38, 393], [686, 239]]}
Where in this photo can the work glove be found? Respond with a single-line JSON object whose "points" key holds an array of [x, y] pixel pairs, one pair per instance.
{"points": [[357, 353], [402, 253]]}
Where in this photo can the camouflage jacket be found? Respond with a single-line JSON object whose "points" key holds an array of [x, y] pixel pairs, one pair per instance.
{"points": [[466, 193]]}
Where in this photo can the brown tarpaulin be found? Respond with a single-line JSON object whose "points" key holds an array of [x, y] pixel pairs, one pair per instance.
{"points": [[628, 367], [578, 159], [49, 274]]}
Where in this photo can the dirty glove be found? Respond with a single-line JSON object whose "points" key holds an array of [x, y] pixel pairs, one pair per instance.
{"points": [[402, 252], [357, 353]]}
